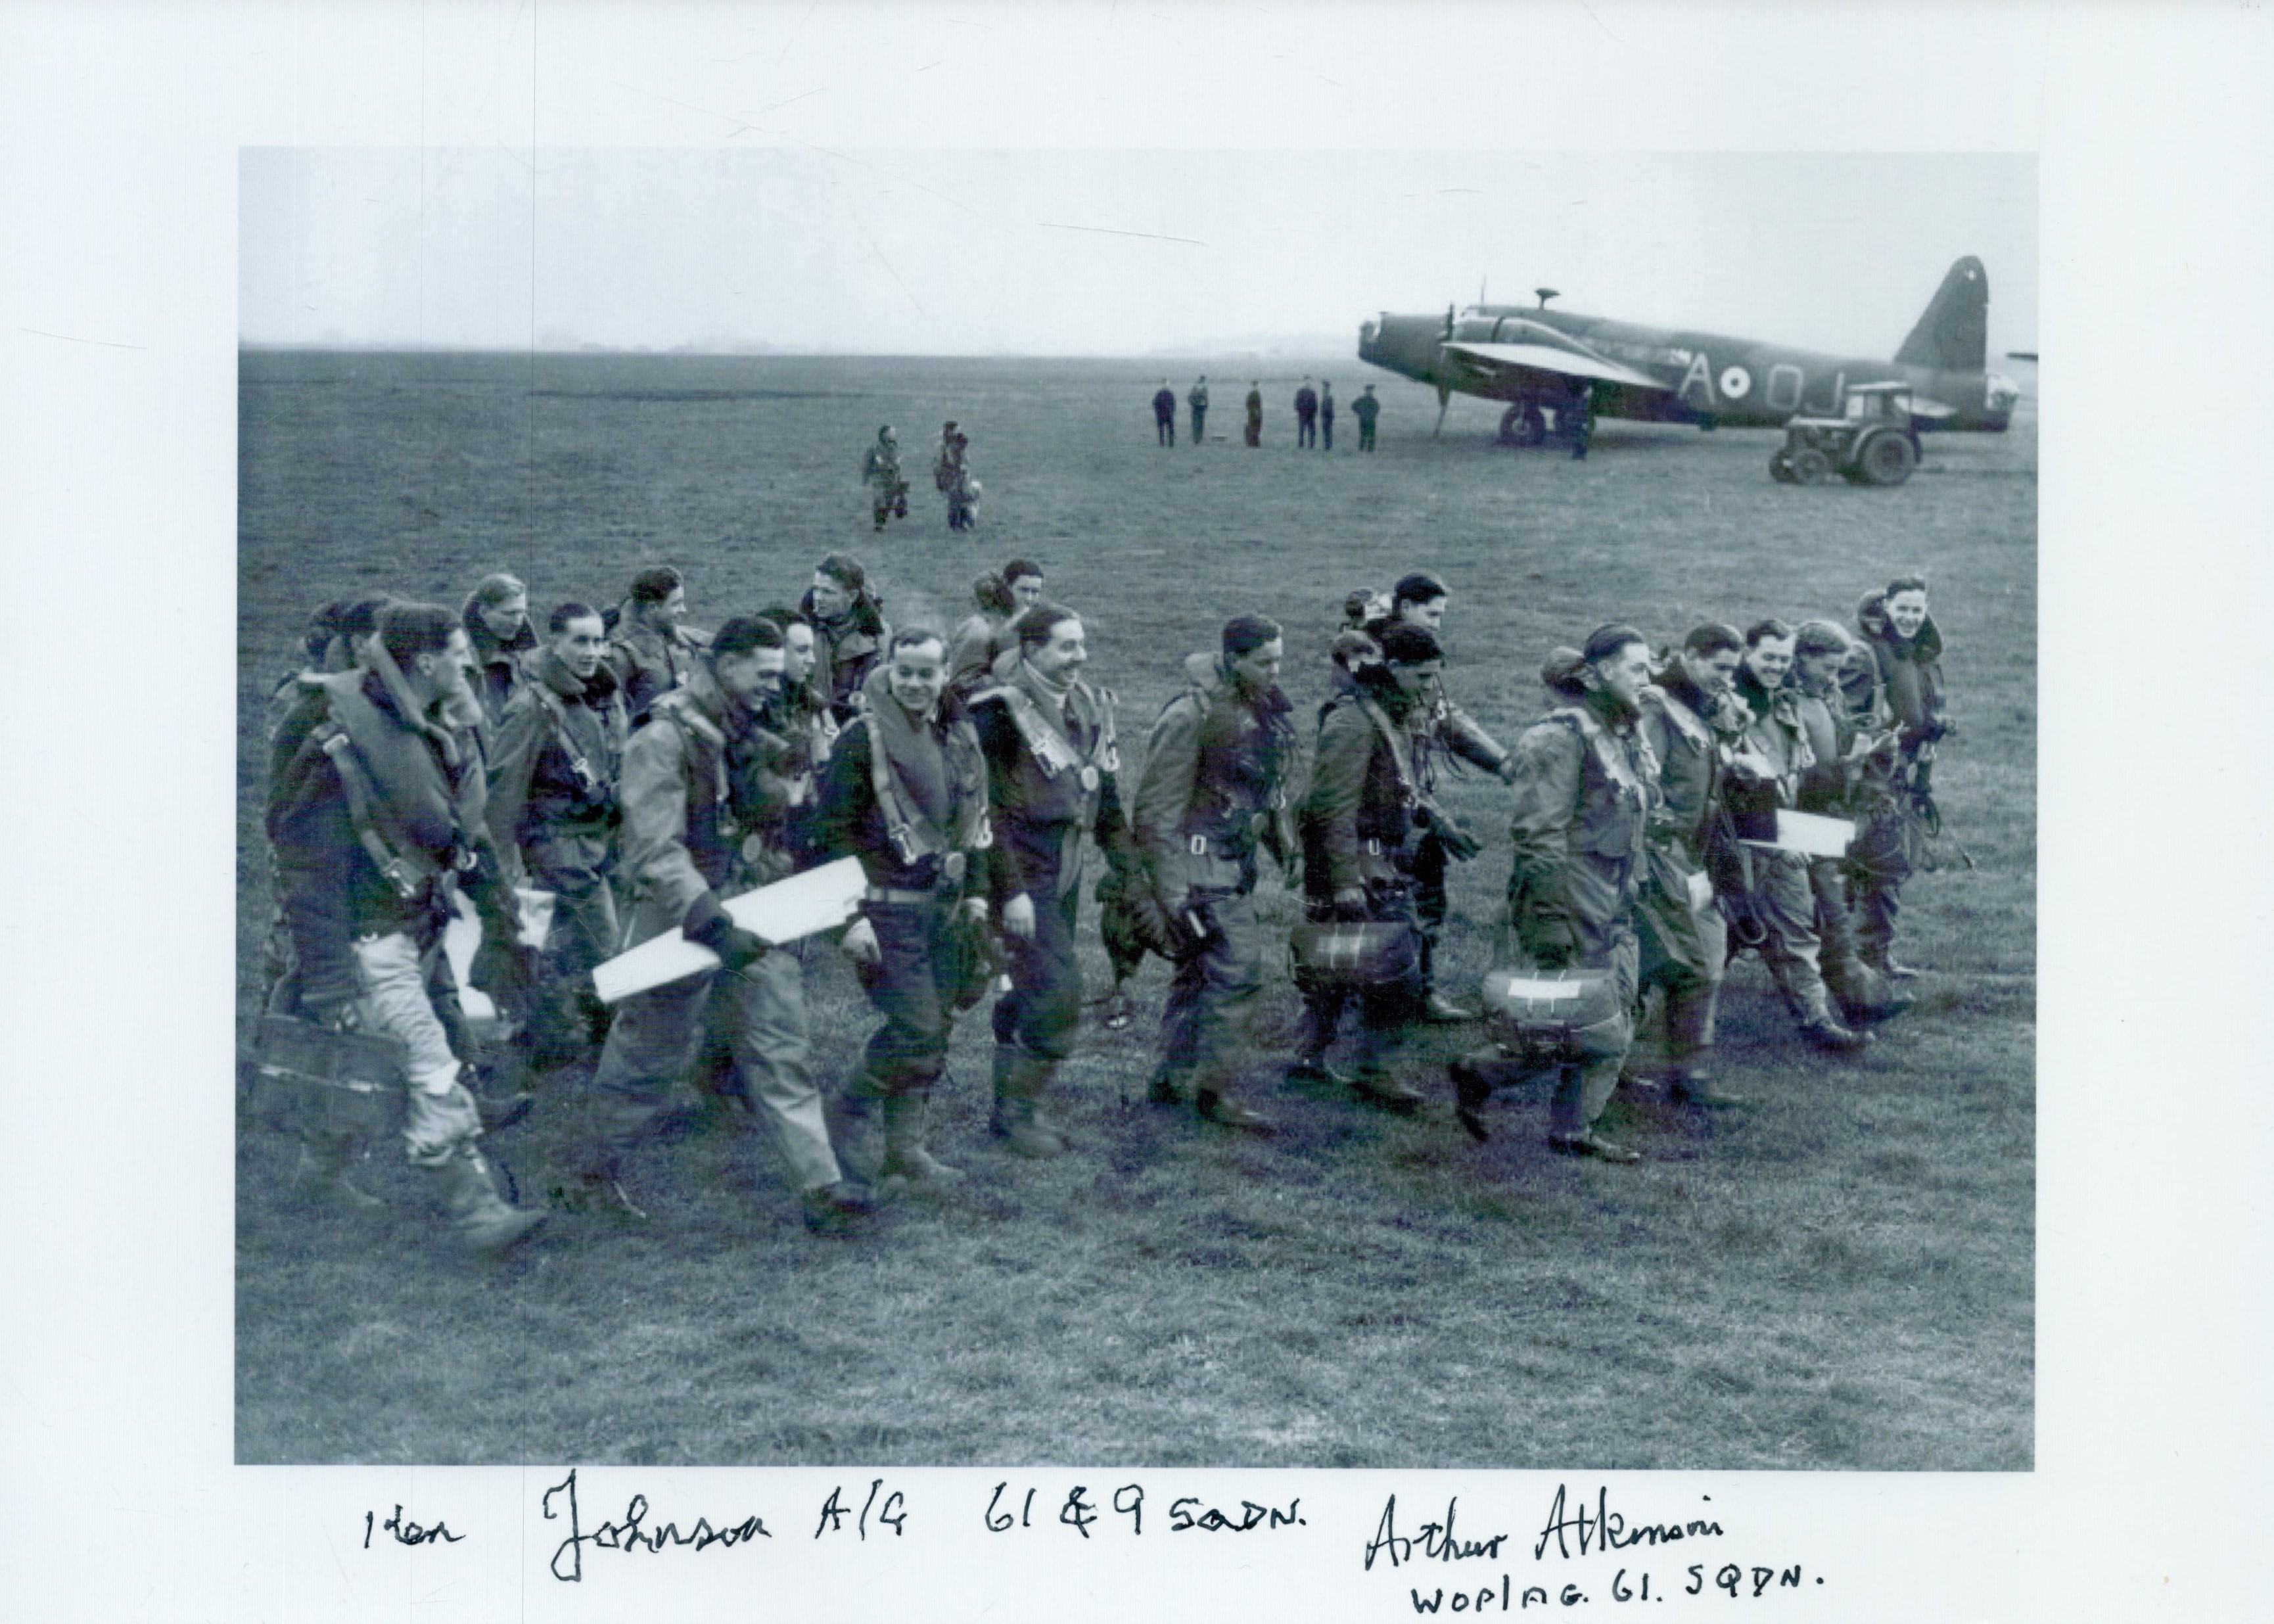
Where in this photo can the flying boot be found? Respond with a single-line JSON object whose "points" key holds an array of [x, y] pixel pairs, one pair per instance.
{"points": [[1020, 1079], [906, 1116], [476, 1211], [321, 1175]]}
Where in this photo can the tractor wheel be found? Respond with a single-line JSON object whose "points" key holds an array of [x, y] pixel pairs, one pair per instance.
{"points": [[1781, 468], [1810, 465], [1886, 458], [1522, 424]]}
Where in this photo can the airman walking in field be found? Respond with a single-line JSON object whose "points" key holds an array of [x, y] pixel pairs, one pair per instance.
{"points": [[1896, 675], [375, 815], [849, 632], [1688, 719], [1214, 793], [554, 815], [1420, 599], [881, 469], [1782, 901], [1165, 414], [906, 793], [1002, 597], [1360, 824], [1846, 779], [1585, 788], [496, 619], [1052, 757], [1197, 399], [704, 805], [651, 648]]}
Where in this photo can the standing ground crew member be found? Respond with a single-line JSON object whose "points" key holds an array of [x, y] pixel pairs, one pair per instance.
{"points": [[703, 811], [1197, 399], [1306, 415], [1164, 414], [554, 815], [1254, 429], [1365, 409], [906, 793], [1360, 832], [1326, 416], [1213, 790], [1585, 785], [375, 816], [1052, 757]]}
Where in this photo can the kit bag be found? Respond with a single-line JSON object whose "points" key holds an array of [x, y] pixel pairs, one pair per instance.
{"points": [[311, 1078]]}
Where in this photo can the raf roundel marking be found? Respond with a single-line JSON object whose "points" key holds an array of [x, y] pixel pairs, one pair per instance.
{"points": [[1736, 383]]}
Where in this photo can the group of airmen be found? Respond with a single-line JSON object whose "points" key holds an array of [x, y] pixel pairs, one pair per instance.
{"points": [[641, 773], [1315, 410], [951, 473]]}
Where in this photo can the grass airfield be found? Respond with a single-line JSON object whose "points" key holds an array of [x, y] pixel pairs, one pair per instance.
{"points": [[1840, 1277]]}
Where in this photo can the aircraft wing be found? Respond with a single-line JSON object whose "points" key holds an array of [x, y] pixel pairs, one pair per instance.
{"points": [[1497, 359]]}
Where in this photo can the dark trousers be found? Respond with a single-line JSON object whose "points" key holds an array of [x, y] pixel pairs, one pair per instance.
{"points": [[1164, 430], [1326, 430], [1042, 1010], [1306, 431], [913, 986], [1211, 1003], [1200, 417], [1430, 904], [1878, 862], [1366, 434], [586, 930], [1254, 431]]}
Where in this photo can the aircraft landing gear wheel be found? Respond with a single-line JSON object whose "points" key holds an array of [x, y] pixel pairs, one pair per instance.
{"points": [[1522, 424], [1888, 459], [1808, 466], [1779, 469]]}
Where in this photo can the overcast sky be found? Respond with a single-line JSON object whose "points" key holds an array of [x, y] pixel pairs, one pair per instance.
{"points": [[1104, 252]]}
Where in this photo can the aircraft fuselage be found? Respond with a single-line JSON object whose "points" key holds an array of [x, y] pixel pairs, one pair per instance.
{"points": [[1707, 378]]}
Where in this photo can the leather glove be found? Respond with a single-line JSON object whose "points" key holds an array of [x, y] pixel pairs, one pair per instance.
{"points": [[712, 927]]}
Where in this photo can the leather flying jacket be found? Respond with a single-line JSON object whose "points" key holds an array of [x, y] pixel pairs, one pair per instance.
{"points": [[1357, 822], [1050, 780]]}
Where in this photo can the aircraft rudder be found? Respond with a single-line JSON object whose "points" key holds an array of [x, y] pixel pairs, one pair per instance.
{"points": [[1953, 335]]}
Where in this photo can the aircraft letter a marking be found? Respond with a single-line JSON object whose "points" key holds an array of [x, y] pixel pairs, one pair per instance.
{"points": [[1700, 375]]}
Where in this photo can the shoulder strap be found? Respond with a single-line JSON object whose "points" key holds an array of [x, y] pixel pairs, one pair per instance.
{"points": [[1408, 790], [562, 735], [362, 797]]}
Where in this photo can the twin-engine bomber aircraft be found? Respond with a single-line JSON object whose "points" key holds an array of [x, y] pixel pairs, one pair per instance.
{"points": [[1541, 360]]}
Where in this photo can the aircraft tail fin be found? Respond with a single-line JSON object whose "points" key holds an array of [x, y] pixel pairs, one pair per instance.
{"points": [[1953, 336]]}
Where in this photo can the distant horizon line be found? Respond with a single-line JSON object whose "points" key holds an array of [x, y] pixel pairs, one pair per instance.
{"points": [[354, 347]]}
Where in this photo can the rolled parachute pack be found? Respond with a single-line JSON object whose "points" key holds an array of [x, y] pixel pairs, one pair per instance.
{"points": [[1351, 953], [818, 899], [1548, 1017]]}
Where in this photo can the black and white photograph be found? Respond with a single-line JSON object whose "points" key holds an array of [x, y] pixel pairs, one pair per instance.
{"points": [[1024, 811], [1504, 936]]}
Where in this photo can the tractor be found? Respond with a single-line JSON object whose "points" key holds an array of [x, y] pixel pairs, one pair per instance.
{"points": [[1872, 442]]}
